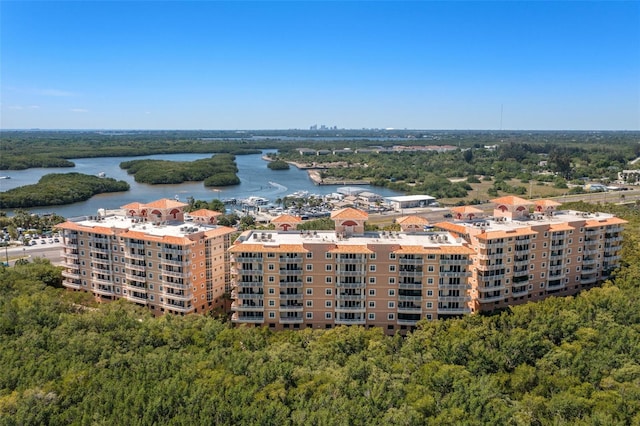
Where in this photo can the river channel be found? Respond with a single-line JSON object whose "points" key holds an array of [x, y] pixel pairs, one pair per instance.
{"points": [[256, 179]]}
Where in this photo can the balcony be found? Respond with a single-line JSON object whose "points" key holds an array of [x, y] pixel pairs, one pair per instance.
{"points": [[290, 260], [291, 320], [410, 286], [349, 261], [135, 267], [461, 262], [135, 246], [70, 255], [490, 299], [291, 308], [179, 308], [350, 297], [409, 309], [135, 277], [350, 285], [414, 299], [175, 274], [104, 290], [71, 275], [72, 283], [240, 307], [453, 274], [443, 310], [520, 291], [360, 308], [407, 321], [405, 261], [290, 272], [136, 298], [176, 252], [291, 296], [588, 279], [179, 286], [238, 318], [290, 284], [586, 261], [350, 321], [410, 274], [185, 297], [174, 262], [241, 271], [257, 295], [248, 259], [343, 273], [247, 284], [555, 284], [134, 256], [462, 286]]}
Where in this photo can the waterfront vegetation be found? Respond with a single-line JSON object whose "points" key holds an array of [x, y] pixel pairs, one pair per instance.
{"points": [[561, 361], [278, 165], [219, 170], [59, 188]]}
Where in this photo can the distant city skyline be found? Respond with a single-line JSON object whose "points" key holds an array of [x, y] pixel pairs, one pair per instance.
{"points": [[511, 65]]}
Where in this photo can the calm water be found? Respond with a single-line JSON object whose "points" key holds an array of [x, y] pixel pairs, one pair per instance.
{"points": [[256, 179]]}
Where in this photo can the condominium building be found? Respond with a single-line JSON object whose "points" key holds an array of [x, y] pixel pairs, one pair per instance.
{"points": [[151, 254], [288, 278], [524, 251], [529, 250]]}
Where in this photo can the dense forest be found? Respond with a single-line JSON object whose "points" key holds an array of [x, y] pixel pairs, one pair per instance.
{"points": [[219, 170], [59, 188], [572, 361]]}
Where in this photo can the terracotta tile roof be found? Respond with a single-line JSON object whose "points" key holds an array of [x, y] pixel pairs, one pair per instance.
{"points": [[169, 239], [205, 213], [73, 226], [221, 230], [490, 235], [412, 220], [165, 203], [603, 222], [547, 203], [466, 210], [351, 248], [434, 250], [132, 206], [560, 227], [286, 218], [511, 200], [350, 213], [453, 227], [260, 248]]}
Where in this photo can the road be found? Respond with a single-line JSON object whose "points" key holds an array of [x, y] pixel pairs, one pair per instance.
{"points": [[53, 252]]}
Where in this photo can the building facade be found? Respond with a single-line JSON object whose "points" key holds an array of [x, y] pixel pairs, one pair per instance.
{"points": [[525, 251], [149, 255]]}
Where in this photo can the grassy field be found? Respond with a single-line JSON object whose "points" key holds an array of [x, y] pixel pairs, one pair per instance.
{"points": [[479, 192]]}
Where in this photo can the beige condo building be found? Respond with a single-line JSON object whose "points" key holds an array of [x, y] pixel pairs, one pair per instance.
{"points": [[525, 251], [151, 254]]}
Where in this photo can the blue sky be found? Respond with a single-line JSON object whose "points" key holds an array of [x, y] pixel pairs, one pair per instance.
{"points": [[359, 64]]}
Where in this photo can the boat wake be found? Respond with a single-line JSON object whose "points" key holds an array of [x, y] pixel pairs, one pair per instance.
{"points": [[276, 185]]}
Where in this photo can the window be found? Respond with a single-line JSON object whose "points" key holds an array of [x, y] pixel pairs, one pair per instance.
{"points": [[327, 267], [309, 291], [430, 268], [272, 291], [372, 280], [429, 316], [392, 292], [272, 314], [392, 280], [372, 316], [391, 316], [372, 256], [429, 280], [327, 315], [309, 315], [372, 292], [327, 256], [309, 255], [431, 256], [429, 292], [328, 291], [327, 303], [327, 280], [392, 305], [429, 305], [392, 256], [272, 303], [392, 268], [309, 280], [309, 267], [372, 268], [372, 304], [272, 279], [271, 267], [309, 303]]}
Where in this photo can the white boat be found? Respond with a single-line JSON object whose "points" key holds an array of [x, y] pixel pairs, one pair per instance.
{"points": [[102, 174], [5, 177]]}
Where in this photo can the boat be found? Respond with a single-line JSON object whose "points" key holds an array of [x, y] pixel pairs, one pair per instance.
{"points": [[102, 174], [5, 177]]}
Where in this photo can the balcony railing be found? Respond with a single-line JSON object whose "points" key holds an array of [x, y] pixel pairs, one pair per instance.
{"points": [[405, 261], [410, 286], [289, 296], [353, 309], [442, 310], [350, 297], [71, 275], [290, 284], [236, 318], [350, 321], [350, 261], [350, 285], [239, 307], [291, 308], [72, 283]]}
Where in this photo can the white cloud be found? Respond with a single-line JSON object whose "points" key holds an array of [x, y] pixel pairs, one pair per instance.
{"points": [[53, 92], [17, 107], [78, 110]]}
